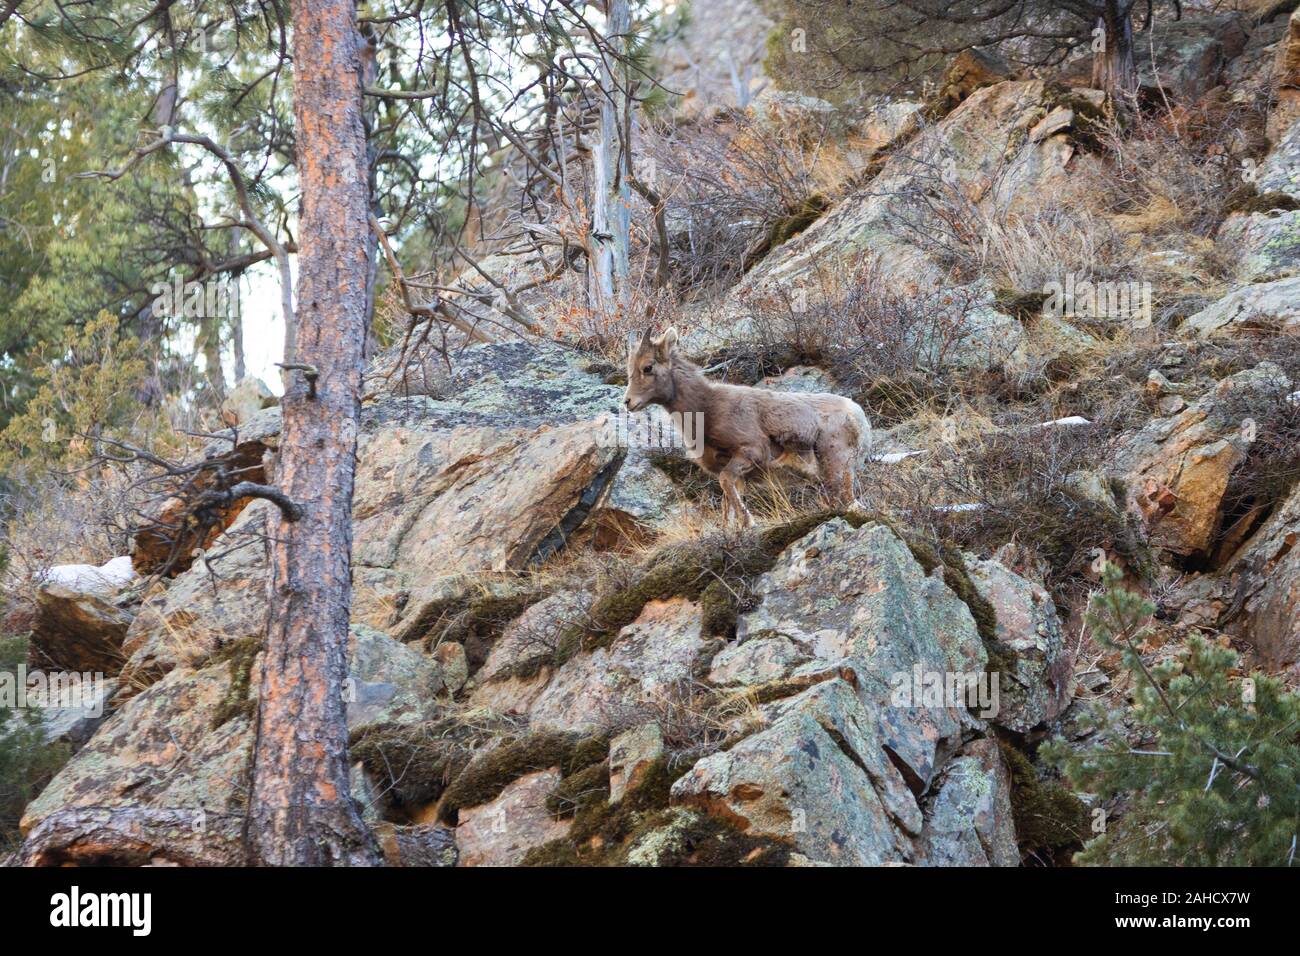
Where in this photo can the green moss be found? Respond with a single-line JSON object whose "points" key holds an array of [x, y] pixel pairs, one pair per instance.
{"points": [[413, 763], [1090, 120], [682, 837], [239, 656], [1050, 820], [602, 834], [525, 669], [490, 772], [787, 227], [580, 790], [475, 621], [1025, 306]]}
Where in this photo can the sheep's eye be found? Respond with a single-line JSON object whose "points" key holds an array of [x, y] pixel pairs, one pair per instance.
{"points": [[647, 370]]}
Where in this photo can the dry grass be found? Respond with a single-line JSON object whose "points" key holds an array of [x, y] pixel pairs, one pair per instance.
{"points": [[695, 718]]}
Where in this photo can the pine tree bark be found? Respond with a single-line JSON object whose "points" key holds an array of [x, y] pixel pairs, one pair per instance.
{"points": [[301, 813]]}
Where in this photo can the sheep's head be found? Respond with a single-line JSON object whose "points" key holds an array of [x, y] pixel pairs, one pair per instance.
{"points": [[649, 370]]}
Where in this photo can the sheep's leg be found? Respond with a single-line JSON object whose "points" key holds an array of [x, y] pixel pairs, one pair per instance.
{"points": [[724, 480], [800, 461], [837, 471], [732, 479]]}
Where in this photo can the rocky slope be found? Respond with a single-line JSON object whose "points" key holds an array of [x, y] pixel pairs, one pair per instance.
{"points": [[532, 683]]}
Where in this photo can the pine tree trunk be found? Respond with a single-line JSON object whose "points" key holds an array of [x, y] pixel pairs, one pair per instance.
{"points": [[611, 189], [301, 812]]}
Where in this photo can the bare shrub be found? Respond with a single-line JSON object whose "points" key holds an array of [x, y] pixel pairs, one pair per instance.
{"points": [[54, 519], [1037, 487], [1180, 166], [895, 352], [695, 718], [984, 227], [736, 189], [1271, 469]]}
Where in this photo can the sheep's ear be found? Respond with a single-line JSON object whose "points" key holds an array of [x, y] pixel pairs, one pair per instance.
{"points": [[666, 342], [633, 343]]}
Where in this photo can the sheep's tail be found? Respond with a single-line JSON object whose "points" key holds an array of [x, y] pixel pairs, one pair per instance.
{"points": [[864, 432]]}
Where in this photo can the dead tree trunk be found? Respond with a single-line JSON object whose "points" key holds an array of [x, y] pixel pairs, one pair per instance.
{"points": [[611, 182], [1113, 67], [301, 812]]}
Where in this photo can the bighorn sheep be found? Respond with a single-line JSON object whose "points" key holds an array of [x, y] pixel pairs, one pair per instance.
{"points": [[748, 429]]}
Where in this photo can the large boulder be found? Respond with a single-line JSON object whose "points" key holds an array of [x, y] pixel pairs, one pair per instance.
{"points": [[81, 619], [245, 400], [860, 597], [1177, 469], [501, 831], [434, 503], [1263, 306], [817, 777], [596, 688], [210, 604], [1034, 688], [163, 749], [1003, 152], [1268, 246], [1257, 595], [493, 481], [963, 153], [78, 631], [530, 383], [1266, 238], [76, 711], [1185, 58], [1267, 242], [969, 821]]}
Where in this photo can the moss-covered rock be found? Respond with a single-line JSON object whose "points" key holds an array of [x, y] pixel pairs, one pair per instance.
{"points": [[239, 657], [492, 770], [643, 830]]}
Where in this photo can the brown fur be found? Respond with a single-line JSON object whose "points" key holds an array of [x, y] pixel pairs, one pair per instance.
{"points": [[751, 429]]}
